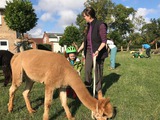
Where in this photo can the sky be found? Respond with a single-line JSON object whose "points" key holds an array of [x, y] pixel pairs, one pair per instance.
{"points": [[55, 15]]}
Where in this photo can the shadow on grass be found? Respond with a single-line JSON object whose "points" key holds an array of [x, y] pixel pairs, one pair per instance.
{"points": [[109, 80], [2, 81], [39, 101], [73, 107], [117, 65]]}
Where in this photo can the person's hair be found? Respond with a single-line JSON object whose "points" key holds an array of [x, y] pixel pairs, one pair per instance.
{"points": [[89, 11]]}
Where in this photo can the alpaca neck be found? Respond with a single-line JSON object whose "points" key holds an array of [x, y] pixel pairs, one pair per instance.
{"points": [[83, 94]]}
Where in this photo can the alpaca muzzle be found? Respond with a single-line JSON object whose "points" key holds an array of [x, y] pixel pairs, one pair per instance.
{"points": [[104, 116]]}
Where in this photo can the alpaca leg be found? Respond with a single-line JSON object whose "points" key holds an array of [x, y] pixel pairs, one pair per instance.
{"points": [[47, 102], [28, 88], [100, 95], [7, 75], [12, 90], [63, 98], [16, 82]]}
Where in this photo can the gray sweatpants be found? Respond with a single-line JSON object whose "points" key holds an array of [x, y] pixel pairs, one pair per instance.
{"points": [[98, 73]]}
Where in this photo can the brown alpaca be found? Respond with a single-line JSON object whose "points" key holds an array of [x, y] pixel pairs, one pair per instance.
{"points": [[54, 71]]}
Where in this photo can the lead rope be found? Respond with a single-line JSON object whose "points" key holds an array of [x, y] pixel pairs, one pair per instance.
{"points": [[94, 82]]}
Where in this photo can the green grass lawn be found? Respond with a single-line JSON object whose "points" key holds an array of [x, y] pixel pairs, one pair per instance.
{"points": [[133, 88]]}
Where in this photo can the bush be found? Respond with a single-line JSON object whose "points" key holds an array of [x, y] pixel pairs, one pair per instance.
{"points": [[47, 47]]}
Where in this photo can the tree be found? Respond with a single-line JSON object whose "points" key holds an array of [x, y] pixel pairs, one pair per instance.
{"points": [[122, 24], [71, 36], [103, 10], [151, 31], [135, 38], [117, 38], [20, 16], [138, 22]]}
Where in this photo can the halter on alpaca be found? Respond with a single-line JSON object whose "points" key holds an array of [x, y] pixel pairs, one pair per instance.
{"points": [[97, 115]]}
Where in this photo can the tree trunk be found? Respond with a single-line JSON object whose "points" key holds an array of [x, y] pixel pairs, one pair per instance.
{"points": [[75, 45], [128, 45], [121, 48], [156, 46]]}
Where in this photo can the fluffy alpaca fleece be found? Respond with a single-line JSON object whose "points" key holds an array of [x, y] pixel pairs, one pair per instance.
{"points": [[54, 71], [5, 58]]}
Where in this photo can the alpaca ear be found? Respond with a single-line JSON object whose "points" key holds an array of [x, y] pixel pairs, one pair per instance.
{"points": [[65, 54], [106, 101], [100, 96]]}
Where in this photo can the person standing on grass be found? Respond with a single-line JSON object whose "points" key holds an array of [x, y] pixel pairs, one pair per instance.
{"points": [[94, 45], [113, 52], [146, 47], [71, 55]]}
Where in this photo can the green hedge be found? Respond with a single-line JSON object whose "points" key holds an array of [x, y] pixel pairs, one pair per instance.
{"points": [[47, 47]]}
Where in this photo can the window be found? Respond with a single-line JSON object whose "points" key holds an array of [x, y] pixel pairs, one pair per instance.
{"points": [[3, 43]]}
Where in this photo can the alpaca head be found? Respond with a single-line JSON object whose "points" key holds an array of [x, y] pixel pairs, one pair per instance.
{"points": [[104, 109]]}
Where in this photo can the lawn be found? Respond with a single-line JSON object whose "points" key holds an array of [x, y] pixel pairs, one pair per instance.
{"points": [[133, 88]]}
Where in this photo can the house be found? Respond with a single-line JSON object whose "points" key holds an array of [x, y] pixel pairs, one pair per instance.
{"points": [[53, 40], [7, 36], [36, 41]]}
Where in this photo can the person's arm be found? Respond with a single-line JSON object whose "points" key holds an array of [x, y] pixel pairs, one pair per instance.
{"points": [[81, 47], [100, 48], [102, 33]]}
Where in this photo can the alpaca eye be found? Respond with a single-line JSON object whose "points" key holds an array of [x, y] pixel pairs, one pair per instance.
{"points": [[104, 116]]}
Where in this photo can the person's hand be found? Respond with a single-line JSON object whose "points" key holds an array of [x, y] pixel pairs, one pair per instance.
{"points": [[77, 53], [96, 53]]}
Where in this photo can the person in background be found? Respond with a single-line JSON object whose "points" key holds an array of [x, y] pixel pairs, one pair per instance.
{"points": [[113, 52], [146, 47], [71, 55], [94, 45]]}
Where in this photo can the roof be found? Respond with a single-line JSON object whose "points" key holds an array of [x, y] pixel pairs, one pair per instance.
{"points": [[58, 34], [54, 35], [37, 40], [2, 4]]}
